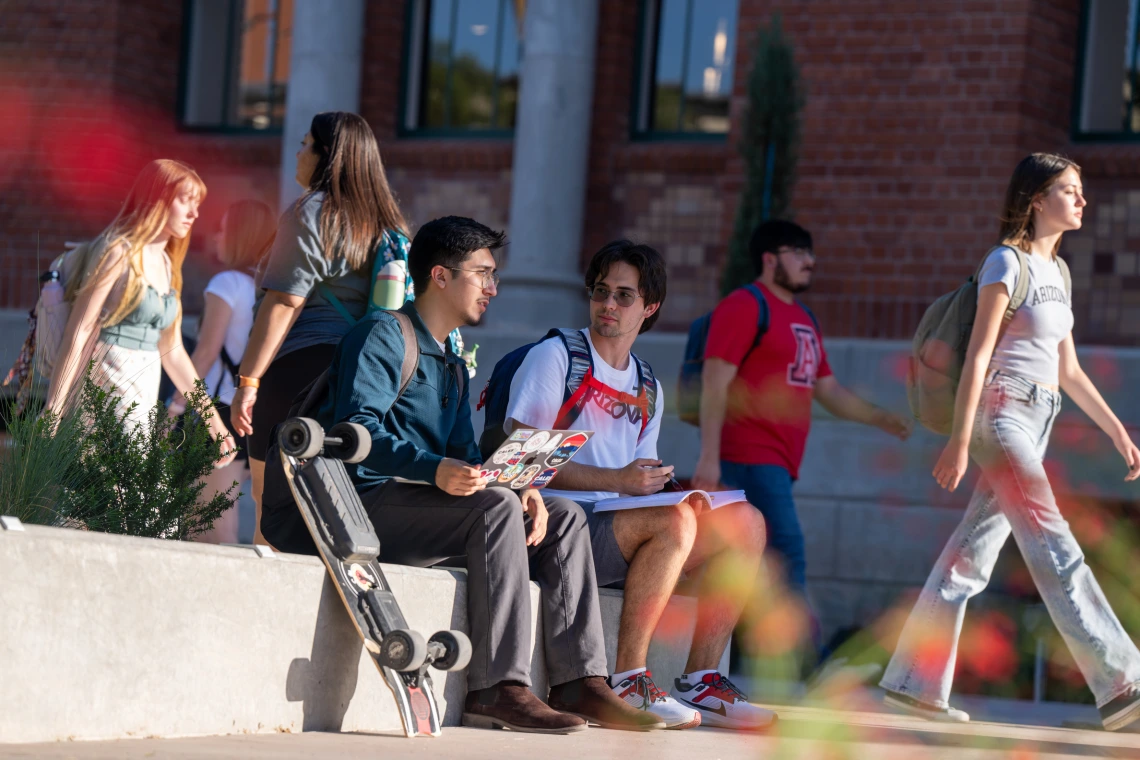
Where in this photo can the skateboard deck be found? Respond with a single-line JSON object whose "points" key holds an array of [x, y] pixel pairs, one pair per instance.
{"points": [[349, 548]]}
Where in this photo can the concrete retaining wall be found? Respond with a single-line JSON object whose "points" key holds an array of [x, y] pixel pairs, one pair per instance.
{"points": [[106, 637]]}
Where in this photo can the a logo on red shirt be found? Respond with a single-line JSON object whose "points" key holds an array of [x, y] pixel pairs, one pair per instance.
{"points": [[802, 372]]}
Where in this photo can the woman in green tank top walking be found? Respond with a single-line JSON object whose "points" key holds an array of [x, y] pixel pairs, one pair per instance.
{"points": [[124, 288]]}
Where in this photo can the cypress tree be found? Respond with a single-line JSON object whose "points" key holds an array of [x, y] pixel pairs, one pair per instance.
{"points": [[770, 143]]}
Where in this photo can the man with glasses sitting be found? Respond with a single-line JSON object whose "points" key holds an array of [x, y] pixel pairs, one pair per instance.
{"points": [[645, 549], [422, 433]]}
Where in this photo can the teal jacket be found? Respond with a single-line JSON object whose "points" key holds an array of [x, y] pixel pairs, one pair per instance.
{"points": [[410, 435]]}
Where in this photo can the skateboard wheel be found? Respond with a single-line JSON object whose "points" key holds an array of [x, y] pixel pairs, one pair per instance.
{"points": [[301, 437], [356, 442], [456, 648], [403, 650]]}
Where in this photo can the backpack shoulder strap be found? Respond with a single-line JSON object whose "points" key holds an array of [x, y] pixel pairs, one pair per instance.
{"points": [[579, 369], [411, 350], [327, 294], [763, 318], [647, 390], [581, 360], [1066, 276], [1020, 288], [811, 314]]}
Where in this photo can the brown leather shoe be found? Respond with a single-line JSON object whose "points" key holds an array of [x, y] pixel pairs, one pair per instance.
{"points": [[593, 699], [513, 706]]}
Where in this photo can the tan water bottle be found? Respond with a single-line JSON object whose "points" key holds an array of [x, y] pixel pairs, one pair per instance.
{"points": [[391, 285]]}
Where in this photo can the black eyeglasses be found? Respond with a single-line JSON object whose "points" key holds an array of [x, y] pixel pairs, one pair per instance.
{"points": [[489, 277], [601, 294]]}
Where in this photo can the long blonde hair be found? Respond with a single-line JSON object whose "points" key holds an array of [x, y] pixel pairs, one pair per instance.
{"points": [[141, 219], [1033, 177]]}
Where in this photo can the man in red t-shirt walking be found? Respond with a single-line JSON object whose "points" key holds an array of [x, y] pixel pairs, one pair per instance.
{"points": [[757, 389]]}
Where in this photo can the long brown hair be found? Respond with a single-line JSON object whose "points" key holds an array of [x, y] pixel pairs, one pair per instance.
{"points": [[1033, 177], [358, 203], [141, 219], [249, 233]]}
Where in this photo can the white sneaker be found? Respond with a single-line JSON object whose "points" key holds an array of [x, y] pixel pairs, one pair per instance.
{"points": [[640, 692], [722, 705], [912, 706]]}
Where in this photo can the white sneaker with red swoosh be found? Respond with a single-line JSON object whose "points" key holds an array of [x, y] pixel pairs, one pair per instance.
{"points": [[721, 704]]}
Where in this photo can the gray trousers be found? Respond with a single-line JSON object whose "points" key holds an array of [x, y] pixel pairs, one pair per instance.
{"points": [[421, 525]]}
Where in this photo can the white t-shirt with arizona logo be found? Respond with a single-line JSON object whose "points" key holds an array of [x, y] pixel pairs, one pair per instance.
{"points": [[536, 397], [1030, 345]]}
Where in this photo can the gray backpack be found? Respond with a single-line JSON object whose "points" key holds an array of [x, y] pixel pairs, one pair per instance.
{"points": [[938, 351]]}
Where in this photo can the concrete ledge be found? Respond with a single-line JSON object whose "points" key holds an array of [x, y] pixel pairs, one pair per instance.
{"points": [[110, 636]]}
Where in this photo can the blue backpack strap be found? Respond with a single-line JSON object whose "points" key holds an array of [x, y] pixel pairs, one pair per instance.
{"points": [[811, 314], [581, 360], [763, 318], [334, 302], [647, 387], [578, 370]]}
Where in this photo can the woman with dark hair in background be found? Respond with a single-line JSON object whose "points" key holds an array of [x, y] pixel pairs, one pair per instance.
{"points": [[315, 282], [246, 232], [1007, 401]]}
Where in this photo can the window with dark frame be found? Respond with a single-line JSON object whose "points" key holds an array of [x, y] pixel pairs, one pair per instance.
{"points": [[1108, 102], [236, 64], [687, 51], [463, 66]]}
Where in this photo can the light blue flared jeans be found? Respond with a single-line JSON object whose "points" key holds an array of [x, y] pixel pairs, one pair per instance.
{"points": [[1011, 432]]}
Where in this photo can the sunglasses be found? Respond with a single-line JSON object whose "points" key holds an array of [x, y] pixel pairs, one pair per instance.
{"points": [[601, 294]]}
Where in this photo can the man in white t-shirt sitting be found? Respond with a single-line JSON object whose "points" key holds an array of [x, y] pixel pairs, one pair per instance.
{"points": [[647, 548]]}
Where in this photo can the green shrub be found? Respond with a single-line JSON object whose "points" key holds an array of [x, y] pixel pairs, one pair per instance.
{"points": [[87, 468]]}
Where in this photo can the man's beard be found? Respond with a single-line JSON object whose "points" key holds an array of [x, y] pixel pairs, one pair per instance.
{"points": [[781, 278], [607, 331]]}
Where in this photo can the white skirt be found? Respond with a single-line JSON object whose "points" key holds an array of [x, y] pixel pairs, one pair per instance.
{"points": [[131, 375]]}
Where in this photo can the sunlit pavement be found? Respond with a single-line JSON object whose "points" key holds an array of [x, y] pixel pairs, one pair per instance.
{"points": [[803, 732]]}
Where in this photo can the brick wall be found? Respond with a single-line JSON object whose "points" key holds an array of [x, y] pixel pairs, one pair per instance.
{"points": [[916, 112], [911, 127], [675, 196], [91, 88]]}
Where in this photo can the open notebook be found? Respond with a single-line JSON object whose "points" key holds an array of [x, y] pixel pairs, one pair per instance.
{"points": [[713, 499]]}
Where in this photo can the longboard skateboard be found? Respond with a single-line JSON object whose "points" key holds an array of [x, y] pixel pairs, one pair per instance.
{"points": [[347, 543]]}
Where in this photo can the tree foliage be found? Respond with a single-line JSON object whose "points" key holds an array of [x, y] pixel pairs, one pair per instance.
{"points": [[89, 468], [770, 142]]}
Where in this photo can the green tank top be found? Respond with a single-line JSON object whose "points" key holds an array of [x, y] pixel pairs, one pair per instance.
{"points": [[141, 328]]}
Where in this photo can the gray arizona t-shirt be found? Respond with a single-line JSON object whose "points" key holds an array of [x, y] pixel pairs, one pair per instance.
{"points": [[1031, 342], [297, 265]]}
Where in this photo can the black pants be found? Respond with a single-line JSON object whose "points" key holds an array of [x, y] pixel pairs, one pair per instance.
{"points": [[286, 377]]}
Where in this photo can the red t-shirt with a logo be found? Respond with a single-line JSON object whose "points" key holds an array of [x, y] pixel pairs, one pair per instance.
{"points": [[768, 415]]}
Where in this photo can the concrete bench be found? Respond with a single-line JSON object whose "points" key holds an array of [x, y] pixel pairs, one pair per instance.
{"points": [[107, 636]]}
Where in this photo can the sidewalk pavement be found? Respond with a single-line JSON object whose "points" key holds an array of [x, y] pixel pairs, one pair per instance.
{"points": [[803, 732]]}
